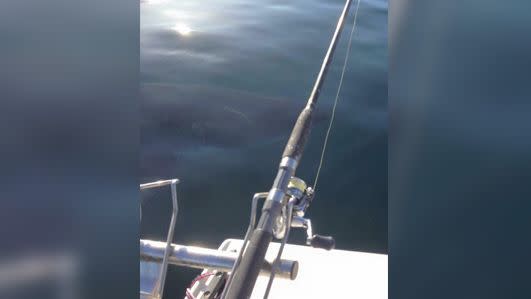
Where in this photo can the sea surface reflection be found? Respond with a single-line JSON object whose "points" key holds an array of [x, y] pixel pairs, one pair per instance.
{"points": [[222, 82]]}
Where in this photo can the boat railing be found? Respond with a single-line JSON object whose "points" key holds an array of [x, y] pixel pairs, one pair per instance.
{"points": [[155, 256], [155, 289]]}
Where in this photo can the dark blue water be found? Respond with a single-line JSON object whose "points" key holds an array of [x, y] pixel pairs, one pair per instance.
{"points": [[222, 83]]}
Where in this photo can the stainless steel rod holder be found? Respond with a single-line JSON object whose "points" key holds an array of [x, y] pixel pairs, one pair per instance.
{"points": [[201, 258]]}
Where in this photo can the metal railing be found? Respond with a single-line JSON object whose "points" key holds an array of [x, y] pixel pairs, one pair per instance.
{"points": [[159, 287]]}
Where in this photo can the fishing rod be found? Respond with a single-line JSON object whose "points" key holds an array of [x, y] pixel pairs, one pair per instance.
{"points": [[287, 194]]}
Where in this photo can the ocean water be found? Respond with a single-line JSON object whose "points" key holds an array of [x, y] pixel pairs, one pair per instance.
{"points": [[222, 84]]}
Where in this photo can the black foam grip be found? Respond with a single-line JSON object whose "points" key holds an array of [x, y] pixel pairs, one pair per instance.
{"points": [[242, 284], [299, 135], [324, 242]]}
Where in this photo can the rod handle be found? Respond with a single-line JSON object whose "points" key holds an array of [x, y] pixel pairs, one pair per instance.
{"points": [[242, 284], [324, 242], [299, 135]]}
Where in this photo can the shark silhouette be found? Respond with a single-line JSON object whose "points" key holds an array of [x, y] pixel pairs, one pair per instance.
{"points": [[181, 121]]}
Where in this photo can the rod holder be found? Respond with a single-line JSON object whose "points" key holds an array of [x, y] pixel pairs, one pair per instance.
{"points": [[214, 259]]}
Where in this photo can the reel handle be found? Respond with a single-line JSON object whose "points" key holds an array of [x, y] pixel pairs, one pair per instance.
{"points": [[324, 242]]}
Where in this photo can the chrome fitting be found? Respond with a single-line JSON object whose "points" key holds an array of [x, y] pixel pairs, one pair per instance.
{"points": [[288, 163]]}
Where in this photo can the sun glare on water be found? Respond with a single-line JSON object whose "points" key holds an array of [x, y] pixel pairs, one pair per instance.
{"points": [[182, 29]]}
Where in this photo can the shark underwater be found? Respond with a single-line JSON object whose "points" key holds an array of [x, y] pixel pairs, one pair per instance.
{"points": [[189, 124]]}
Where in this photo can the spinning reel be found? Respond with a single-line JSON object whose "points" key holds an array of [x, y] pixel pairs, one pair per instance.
{"points": [[302, 195], [297, 200]]}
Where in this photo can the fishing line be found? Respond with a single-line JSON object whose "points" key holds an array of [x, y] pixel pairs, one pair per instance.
{"points": [[336, 100]]}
